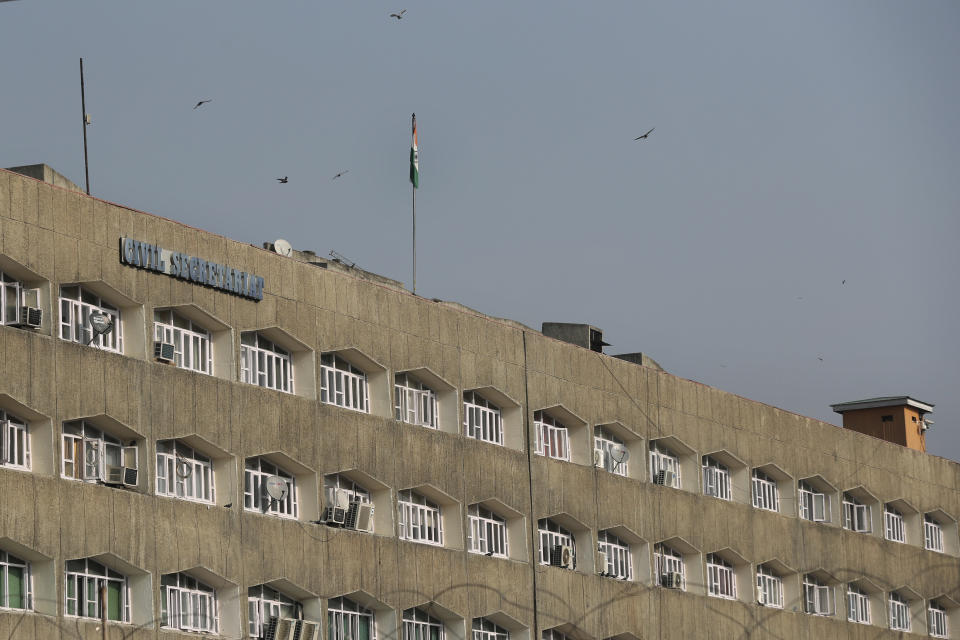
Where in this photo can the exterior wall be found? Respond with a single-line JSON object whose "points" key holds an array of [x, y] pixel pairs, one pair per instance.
{"points": [[67, 237], [904, 429]]}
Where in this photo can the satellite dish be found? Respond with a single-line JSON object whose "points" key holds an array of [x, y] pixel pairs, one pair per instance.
{"points": [[276, 487], [282, 247], [101, 322], [619, 453]]}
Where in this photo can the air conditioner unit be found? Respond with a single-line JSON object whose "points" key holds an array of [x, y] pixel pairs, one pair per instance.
{"points": [[30, 317], [664, 477], [602, 563], [127, 476], [599, 458], [286, 629], [337, 507], [672, 580], [163, 351], [566, 556], [309, 630], [363, 517]]}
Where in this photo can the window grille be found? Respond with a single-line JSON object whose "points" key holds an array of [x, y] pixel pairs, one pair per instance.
{"points": [[16, 585], [552, 438], [856, 515], [817, 597], [603, 442], [662, 460], [14, 442], [76, 305], [185, 473], [265, 363], [263, 603], [765, 493], [414, 402], [619, 558], [932, 534], [192, 346], [187, 604], [84, 579], [88, 451], [769, 588], [343, 384], [937, 619], [420, 519], [716, 479], [893, 525], [858, 605], [814, 506], [483, 629], [668, 561], [899, 612], [255, 497], [488, 532], [481, 419], [553, 538], [348, 620], [419, 625], [721, 580]]}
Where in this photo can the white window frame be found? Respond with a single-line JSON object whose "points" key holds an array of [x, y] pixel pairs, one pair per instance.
{"points": [[721, 578], [75, 319], [716, 479], [418, 625], [345, 613], [603, 442], [858, 605], [769, 588], [817, 597], [256, 470], [487, 533], [857, 516], [192, 344], [420, 519], [482, 420], [355, 492], [483, 629], [932, 534], [663, 459], [13, 296], [899, 612], [814, 505], [766, 494], [938, 621], [553, 535], [415, 402], [343, 385], [668, 560], [184, 473], [619, 557], [86, 581], [552, 437], [10, 562], [14, 442], [554, 634], [188, 604], [893, 525], [263, 602], [97, 449], [265, 363]]}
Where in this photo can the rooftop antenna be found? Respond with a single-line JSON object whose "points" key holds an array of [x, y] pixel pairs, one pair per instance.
{"points": [[86, 123], [339, 257]]}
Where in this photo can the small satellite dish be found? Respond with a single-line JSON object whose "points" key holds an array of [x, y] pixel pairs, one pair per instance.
{"points": [[619, 453], [282, 247], [276, 487], [101, 322]]}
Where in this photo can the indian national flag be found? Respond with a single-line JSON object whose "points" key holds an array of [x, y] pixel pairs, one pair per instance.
{"points": [[414, 157]]}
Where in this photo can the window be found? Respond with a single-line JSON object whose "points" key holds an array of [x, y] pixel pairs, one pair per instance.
{"points": [[899, 612], [603, 442], [721, 580], [814, 506], [348, 620], [552, 438], [414, 402], [553, 539], [418, 625], [183, 472], [342, 384], [255, 497], [619, 559], [483, 629], [419, 519], [858, 605], [937, 618], [14, 442], [187, 604], [84, 579], [88, 451], [716, 479], [16, 590], [13, 296], [488, 532], [932, 534], [554, 634], [192, 348], [856, 515], [893, 524], [769, 588], [265, 363], [662, 461], [817, 597], [355, 494], [481, 419], [765, 493], [668, 562], [354, 491], [264, 602], [76, 305]]}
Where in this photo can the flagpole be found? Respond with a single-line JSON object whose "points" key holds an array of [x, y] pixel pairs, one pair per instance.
{"points": [[414, 189], [83, 107], [414, 170]]}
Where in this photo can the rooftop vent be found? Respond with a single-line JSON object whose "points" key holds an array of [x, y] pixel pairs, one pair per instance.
{"points": [[582, 335], [897, 419]]}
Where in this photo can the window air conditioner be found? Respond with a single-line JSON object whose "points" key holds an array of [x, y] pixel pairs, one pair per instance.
{"points": [[127, 476], [163, 351], [286, 629], [337, 507], [672, 580], [664, 477], [30, 317], [599, 458], [363, 516], [602, 563], [309, 630]]}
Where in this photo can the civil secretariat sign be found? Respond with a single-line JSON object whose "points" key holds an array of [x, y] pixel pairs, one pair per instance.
{"points": [[180, 265]]}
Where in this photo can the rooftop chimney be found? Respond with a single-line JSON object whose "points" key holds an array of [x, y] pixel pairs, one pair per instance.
{"points": [[582, 335], [897, 419]]}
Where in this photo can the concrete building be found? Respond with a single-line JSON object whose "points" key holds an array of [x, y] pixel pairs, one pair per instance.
{"points": [[200, 435]]}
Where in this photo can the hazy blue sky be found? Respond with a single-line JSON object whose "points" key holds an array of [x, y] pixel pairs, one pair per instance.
{"points": [[797, 145]]}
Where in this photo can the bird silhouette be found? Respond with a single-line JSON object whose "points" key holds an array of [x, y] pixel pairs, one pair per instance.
{"points": [[820, 358], [282, 180], [644, 136], [398, 16], [202, 102], [843, 282], [340, 174]]}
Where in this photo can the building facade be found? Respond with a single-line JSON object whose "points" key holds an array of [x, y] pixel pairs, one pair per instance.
{"points": [[201, 435]]}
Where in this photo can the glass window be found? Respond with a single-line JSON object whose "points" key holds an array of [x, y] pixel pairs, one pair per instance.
{"points": [[603, 442], [858, 605], [84, 579], [13, 297], [414, 402], [418, 625], [255, 497], [937, 618], [343, 384], [817, 597], [348, 620], [899, 612], [668, 564], [716, 479], [932, 534], [88, 452], [420, 519], [14, 442], [355, 493], [554, 634], [187, 604], [488, 532], [192, 345], [483, 629], [893, 525], [183, 472], [552, 438], [264, 602], [617, 552], [769, 588], [856, 515], [721, 580], [481, 419], [265, 363], [16, 590], [664, 466], [765, 493], [553, 539], [814, 505], [76, 305]]}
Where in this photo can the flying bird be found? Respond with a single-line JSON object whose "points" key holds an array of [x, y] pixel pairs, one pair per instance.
{"points": [[340, 174], [820, 358], [202, 102], [843, 282], [398, 16], [282, 180], [644, 136]]}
